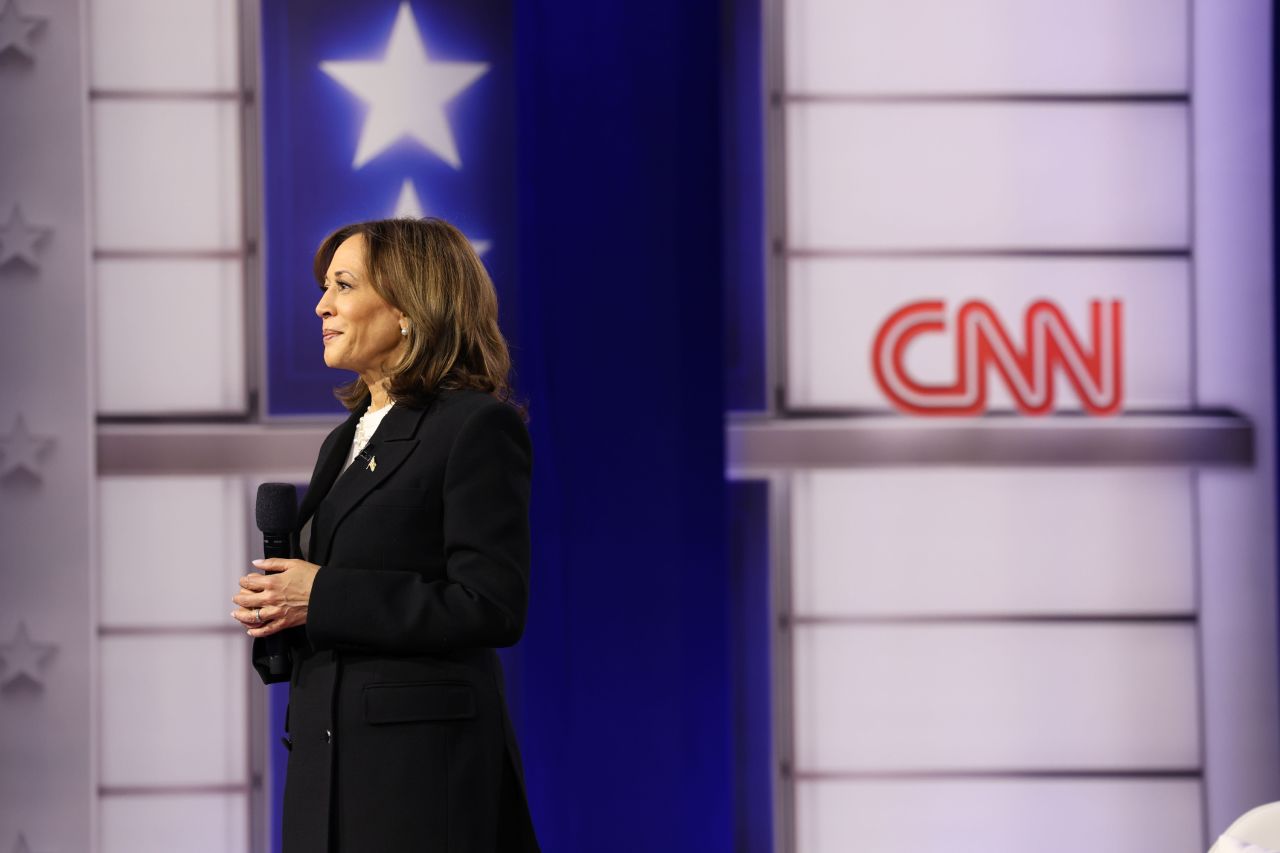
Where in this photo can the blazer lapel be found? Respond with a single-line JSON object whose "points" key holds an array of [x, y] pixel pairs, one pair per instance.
{"points": [[390, 446], [332, 454]]}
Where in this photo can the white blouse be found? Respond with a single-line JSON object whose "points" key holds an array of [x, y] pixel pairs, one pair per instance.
{"points": [[365, 428]]}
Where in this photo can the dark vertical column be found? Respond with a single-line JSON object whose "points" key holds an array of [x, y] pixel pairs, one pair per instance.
{"points": [[626, 717]]}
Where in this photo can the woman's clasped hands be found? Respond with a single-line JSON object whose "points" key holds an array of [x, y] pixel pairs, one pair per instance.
{"points": [[271, 602]]}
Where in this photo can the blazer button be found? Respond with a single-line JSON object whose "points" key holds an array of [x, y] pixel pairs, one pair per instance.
{"points": [[328, 736]]}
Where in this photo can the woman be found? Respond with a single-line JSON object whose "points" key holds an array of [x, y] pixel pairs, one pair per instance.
{"points": [[416, 561]]}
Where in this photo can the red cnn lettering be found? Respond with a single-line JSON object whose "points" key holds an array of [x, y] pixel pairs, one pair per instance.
{"points": [[983, 346]]}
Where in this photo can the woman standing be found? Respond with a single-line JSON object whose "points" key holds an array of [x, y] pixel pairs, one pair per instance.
{"points": [[416, 545]]}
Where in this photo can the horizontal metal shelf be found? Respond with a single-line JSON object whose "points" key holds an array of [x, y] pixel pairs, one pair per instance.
{"points": [[1122, 98], [1030, 617], [210, 448], [982, 774], [758, 445]]}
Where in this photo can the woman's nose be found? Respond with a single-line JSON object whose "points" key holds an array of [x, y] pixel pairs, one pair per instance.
{"points": [[324, 308]]}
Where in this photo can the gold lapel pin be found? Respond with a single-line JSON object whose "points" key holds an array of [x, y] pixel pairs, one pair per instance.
{"points": [[373, 463]]}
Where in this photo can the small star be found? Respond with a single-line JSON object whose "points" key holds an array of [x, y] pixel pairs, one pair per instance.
{"points": [[24, 659], [18, 240], [16, 30], [408, 205], [22, 846], [21, 451], [406, 93]]}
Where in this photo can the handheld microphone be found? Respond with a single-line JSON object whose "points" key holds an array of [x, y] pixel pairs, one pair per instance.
{"points": [[276, 513]]}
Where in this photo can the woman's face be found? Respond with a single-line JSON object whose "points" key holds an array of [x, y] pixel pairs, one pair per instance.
{"points": [[361, 330]]}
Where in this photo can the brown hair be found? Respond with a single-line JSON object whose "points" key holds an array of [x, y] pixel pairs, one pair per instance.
{"points": [[428, 270]]}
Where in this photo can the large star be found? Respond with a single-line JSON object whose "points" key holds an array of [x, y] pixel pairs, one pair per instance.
{"points": [[408, 205], [406, 93], [24, 659], [20, 450], [16, 30], [18, 240]]}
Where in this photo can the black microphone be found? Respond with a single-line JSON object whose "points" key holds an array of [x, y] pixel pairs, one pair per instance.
{"points": [[277, 514]]}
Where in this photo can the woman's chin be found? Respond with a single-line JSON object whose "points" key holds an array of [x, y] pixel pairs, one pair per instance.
{"points": [[333, 358]]}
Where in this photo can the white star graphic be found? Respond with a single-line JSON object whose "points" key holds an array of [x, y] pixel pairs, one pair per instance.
{"points": [[16, 30], [409, 206], [18, 240], [20, 450], [406, 93], [24, 659]]}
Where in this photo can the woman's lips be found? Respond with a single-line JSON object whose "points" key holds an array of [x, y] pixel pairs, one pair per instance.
{"points": [[328, 335]]}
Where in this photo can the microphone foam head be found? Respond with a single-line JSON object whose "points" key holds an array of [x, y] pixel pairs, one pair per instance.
{"points": [[277, 507]]}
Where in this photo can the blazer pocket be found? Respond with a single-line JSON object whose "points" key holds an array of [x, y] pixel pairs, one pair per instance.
{"points": [[419, 702], [396, 497]]}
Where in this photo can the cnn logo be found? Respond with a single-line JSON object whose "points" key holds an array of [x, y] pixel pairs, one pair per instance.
{"points": [[983, 348]]}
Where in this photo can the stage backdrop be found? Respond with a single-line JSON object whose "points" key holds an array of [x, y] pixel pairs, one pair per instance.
{"points": [[1019, 450]]}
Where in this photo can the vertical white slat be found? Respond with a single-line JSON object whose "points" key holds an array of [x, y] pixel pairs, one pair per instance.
{"points": [[171, 336], [165, 823], [999, 815], [173, 709], [171, 549], [160, 45], [1236, 368], [836, 307], [987, 46], [1001, 697], [167, 175], [987, 176], [982, 541]]}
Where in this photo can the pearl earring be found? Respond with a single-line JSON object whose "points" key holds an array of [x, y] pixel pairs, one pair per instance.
{"points": [[404, 331]]}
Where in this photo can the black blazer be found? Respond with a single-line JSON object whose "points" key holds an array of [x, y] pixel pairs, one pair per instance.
{"points": [[400, 737]]}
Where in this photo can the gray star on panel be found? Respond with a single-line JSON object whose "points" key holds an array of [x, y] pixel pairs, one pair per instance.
{"points": [[23, 847], [23, 659], [18, 240], [16, 30], [22, 451]]}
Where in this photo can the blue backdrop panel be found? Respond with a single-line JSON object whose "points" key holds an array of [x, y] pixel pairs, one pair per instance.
{"points": [[627, 714], [743, 216], [311, 127], [752, 678]]}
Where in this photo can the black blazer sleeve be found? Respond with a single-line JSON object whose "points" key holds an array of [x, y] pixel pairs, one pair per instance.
{"points": [[483, 598]]}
